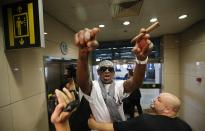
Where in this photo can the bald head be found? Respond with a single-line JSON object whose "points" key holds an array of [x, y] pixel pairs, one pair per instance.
{"points": [[171, 101], [166, 104]]}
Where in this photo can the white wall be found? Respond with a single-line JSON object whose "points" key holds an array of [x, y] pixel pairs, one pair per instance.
{"points": [[192, 66], [184, 61], [22, 87], [5, 100], [170, 66]]}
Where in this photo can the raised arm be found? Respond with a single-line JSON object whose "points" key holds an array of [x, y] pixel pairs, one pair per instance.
{"points": [[86, 42], [60, 118], [141, 50]]}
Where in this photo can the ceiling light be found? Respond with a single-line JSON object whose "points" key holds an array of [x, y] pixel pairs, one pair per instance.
{"points": [[101, 26], [182, 17], [45, 33], [126, 23], [153, 20], [16, 69], [197, 63]]}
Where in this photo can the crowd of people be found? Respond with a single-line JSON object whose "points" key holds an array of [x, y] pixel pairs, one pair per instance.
{"points": [[101, 107]]}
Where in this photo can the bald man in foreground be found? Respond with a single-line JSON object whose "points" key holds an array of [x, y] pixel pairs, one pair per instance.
{"points": [[166, 107]]}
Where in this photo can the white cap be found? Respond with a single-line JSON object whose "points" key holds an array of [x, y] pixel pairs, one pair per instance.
{"points": [[106, 63]]}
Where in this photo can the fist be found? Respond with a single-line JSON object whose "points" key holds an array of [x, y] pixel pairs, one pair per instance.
{"points": [[142, 46], [87, 38]]}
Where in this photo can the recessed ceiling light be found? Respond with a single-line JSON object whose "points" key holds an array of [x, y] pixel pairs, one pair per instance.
{"points": [[126, 23], [101, 26], [153, 20], [182, 17], [16, 69]]}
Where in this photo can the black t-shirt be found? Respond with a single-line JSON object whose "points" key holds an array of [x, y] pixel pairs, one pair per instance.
{"points": [[79, 119], [148, 122], [131, 101]]}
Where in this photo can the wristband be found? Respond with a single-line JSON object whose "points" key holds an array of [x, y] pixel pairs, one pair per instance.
{"points": [[72, 105], [142, 62], [151, 45]]}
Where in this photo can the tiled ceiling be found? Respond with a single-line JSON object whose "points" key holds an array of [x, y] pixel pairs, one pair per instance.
{"points": [[79, 14]]}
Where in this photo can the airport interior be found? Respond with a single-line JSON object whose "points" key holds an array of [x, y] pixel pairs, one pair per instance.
{"points": [[37, 46]]}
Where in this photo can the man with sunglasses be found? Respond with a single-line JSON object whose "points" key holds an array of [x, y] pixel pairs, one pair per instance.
{"points": [[105, 95]]}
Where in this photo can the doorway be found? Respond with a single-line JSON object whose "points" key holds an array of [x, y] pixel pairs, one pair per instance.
{"points": [[55, 70]]}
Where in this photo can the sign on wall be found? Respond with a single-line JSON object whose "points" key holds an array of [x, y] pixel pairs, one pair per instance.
{"points": [[23, 24]]}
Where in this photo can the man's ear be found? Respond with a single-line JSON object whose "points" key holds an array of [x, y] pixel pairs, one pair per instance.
{"points": [[167, 109]]}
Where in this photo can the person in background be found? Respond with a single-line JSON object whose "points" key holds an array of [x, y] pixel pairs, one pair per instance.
{"points": [[132, 100], [70, 79], [166, 107], [78, 119], [105, 95]]}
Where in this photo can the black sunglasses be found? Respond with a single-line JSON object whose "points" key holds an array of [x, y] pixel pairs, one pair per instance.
{"points": [[103, 69]]}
